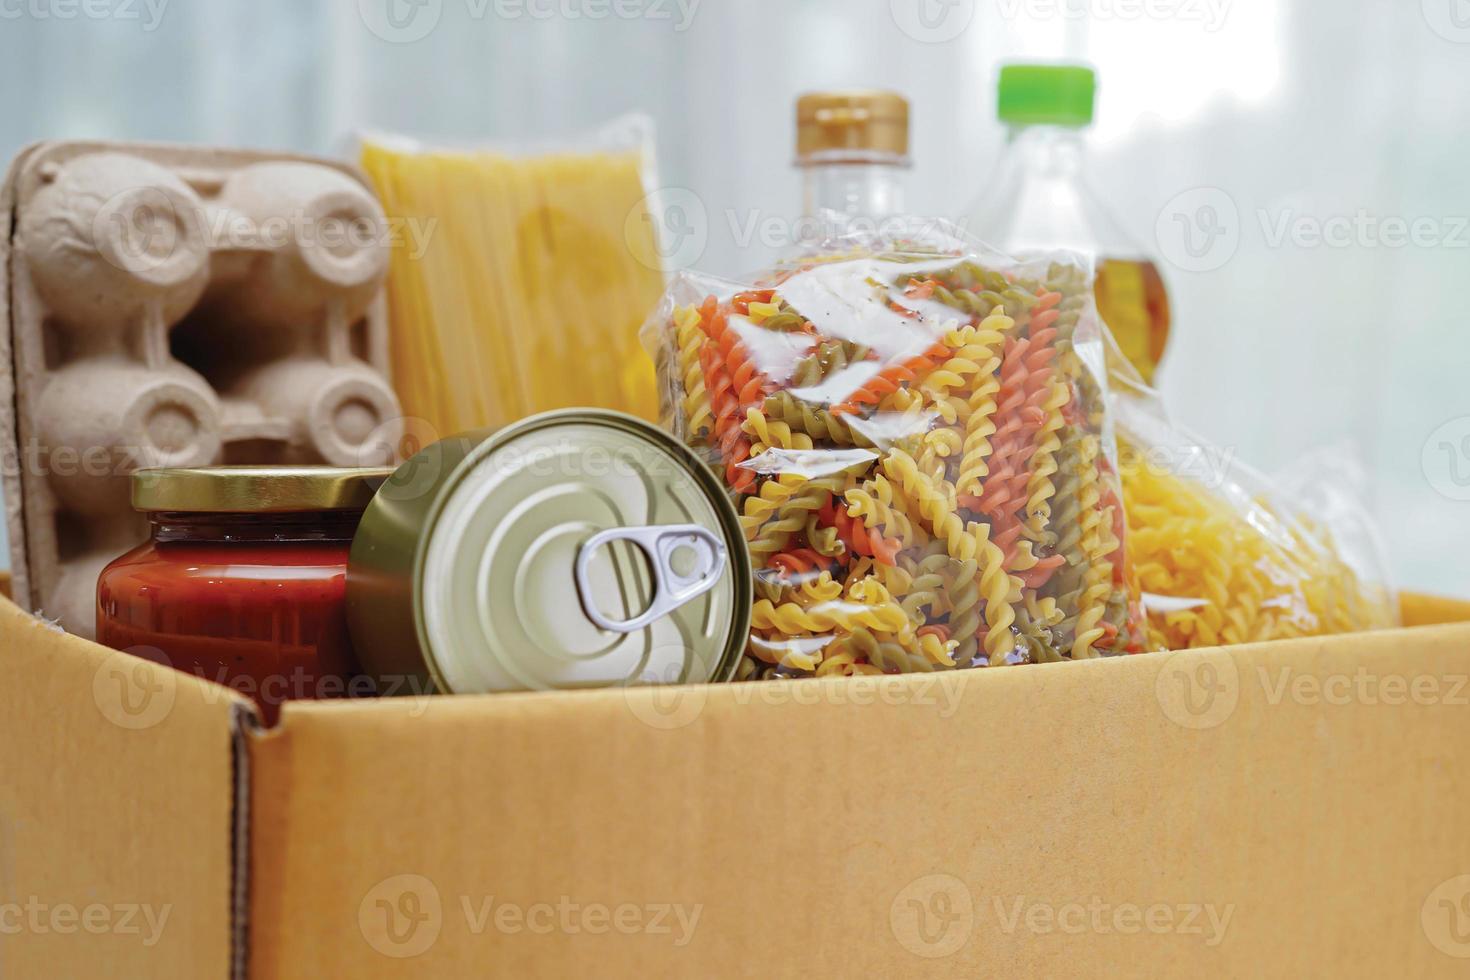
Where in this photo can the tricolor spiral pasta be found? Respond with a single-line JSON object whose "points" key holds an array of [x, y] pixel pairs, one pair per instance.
{"points": [[873, 503], [696, 398], [915, 445], [819, 424], [793, 618], [790, 516], [822, 588], [828, 359], [1039, 487], [768, 433], [981, 406]]}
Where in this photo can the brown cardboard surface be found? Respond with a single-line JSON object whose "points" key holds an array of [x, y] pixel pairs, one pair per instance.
{"points": [[116, 798], [1072, 819]]}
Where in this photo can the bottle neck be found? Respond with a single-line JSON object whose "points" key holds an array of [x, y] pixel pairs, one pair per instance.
{"points": [[871, 187], [174, 527], [1037, 196], [1053, 152]]}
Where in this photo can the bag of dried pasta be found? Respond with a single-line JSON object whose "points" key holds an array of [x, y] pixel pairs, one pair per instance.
{"points": [[917, 443], [1225, 556]]}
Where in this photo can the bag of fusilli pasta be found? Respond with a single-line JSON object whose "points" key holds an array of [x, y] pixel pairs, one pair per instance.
{"points": [[1225, 556], [916, 439]]}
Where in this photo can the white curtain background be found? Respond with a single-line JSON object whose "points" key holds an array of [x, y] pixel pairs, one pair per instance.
{"points": [[1295, 111]]}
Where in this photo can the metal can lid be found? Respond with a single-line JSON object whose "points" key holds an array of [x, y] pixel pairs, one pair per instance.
{"points": [[576, 549], [256, 489]]}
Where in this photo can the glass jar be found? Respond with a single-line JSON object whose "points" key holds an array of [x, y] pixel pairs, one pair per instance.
{"points": [[243, 578]]}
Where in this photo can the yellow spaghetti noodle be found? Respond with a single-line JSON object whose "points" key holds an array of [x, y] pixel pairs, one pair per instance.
{"points": [[534, 276]]}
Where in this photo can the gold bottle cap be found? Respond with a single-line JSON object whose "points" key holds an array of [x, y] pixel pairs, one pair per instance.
{"points": [[257, 489], [854, 122]]}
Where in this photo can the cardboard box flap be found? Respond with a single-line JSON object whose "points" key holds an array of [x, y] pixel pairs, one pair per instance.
{"points": [[1289, 809], [1218, 813], [116, 811]]}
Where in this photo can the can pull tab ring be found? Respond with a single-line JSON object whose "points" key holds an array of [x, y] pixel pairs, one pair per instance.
{"points": [[687, 562]]}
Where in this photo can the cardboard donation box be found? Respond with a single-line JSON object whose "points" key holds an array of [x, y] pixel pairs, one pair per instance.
{"points": [[1287, 809]]}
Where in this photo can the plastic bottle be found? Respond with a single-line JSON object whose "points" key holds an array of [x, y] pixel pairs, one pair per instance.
{"points": [[852, 152], [1039, 198]]}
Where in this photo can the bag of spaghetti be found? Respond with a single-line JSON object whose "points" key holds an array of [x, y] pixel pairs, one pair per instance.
{"points": [[1223, 555], [522, 276], [916, 439]]}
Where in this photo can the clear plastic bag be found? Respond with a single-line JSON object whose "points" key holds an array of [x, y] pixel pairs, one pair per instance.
{"points": [[1223, 555], [501, 238], [916, 438]]}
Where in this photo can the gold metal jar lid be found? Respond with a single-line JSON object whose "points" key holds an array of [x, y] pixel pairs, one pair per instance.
{"points": [[257, 489], [858, 121]]}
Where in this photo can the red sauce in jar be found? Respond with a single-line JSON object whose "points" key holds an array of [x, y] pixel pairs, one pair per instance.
{"points": [[251, 600]]}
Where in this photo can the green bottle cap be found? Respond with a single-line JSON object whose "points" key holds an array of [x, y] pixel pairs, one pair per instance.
{"points": [[1055, 95]]}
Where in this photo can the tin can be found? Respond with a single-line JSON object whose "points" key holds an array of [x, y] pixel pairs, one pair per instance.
{"points": [[574, 549]]}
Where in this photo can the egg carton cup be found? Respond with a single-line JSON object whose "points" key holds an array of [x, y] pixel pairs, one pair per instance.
{"points": [[176, 306]]}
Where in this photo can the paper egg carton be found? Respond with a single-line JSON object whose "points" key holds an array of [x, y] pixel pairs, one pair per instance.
{"points": [[176, 306]]}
